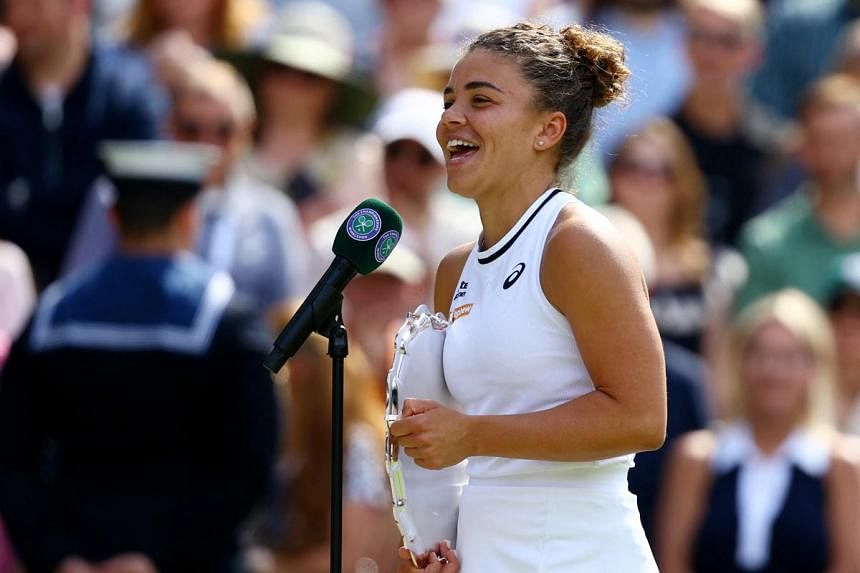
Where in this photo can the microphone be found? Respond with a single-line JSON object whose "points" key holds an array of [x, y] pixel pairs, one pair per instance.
{"points": [[363, 242]]}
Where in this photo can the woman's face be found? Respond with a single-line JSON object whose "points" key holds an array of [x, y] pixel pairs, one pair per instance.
{"points": [[719, 52], [292, 92], [641, 181], [200, 118], [489, 127], [777, 373], [410, 170]]}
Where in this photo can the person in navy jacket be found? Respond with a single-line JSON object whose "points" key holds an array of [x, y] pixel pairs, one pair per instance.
{"points": [[137, 423]]}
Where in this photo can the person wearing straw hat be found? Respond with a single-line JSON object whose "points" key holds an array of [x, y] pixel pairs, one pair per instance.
{"points": [[306, 87], [137, 426]]}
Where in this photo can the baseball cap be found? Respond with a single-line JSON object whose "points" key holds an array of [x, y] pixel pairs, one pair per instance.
{"points": [[412, 113]]}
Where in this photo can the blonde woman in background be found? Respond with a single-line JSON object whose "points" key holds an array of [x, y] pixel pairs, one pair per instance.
{"points": [[776, 488], [654, 175], [300, 543], [176, 32], [213, 24]]}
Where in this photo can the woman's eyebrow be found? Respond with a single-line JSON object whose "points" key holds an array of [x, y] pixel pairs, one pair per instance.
{"points": [[475, 85]]}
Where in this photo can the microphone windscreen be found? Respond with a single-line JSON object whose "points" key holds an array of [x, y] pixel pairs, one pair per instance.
{"points": [[368, 235]]}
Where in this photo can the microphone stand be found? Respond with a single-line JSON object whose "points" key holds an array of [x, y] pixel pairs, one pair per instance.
{"points": [[328, 321], [338, 348]]}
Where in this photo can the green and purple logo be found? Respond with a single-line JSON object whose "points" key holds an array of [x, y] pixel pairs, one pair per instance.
{"points": [[385, 245], [364, 225]]}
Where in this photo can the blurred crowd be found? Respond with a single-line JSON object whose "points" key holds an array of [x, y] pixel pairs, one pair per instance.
{"points": [[733, 169]]}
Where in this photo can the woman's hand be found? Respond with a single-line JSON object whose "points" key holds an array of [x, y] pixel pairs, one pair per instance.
{"points": [[434, 436], [446, 562]]}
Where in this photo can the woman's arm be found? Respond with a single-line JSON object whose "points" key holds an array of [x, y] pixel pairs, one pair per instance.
{"points": [[683, 498], [594, 281], [843, 506]]}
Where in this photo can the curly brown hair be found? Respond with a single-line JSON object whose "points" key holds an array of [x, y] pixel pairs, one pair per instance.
{"points": [[573, 71]]}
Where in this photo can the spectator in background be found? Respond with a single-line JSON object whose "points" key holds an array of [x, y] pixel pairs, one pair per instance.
{"points": [[404, 31], [248, 229], [735, 144], [299, 540], [218, 25], [174, 33], [376, 305], [843, 305], [652, 32], [156, 440], [776, 489], [59, 98], [803, 38], [434, 220], [796, 243], [302, 146], [654, 175]]}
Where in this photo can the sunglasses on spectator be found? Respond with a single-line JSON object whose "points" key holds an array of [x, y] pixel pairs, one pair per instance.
{"points": [[643, 168], [400, 151], [196, 130], [728, 41]]}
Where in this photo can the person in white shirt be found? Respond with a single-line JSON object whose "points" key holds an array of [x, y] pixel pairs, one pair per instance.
{"points": [[552, 351], [775, 488]]}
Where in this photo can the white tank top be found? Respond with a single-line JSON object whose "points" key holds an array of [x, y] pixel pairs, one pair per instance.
{"points": [[509, 351]]}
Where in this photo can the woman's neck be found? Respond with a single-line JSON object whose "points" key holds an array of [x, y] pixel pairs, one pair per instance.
{"points": [[714, 109], [838, 209], [770, 433], [63, 67], [502, 207]]}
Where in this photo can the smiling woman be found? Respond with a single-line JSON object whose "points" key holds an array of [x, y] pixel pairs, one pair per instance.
{"points": [[552, 352]]}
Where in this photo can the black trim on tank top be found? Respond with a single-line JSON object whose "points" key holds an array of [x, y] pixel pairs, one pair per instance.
{"points": [[510, 242]]}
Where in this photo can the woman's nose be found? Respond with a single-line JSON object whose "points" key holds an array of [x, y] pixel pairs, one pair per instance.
{"points": [[452, 116]]}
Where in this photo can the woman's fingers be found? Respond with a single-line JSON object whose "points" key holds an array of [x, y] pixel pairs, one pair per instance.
{"points": [[449, 554], [413, 406], [402, 427]]}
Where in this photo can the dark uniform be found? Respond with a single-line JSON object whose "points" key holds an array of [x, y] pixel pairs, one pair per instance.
{"points": [[136, 416]]}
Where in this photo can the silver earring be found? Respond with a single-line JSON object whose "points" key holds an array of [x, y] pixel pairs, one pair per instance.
{"points": [[540, 143]]}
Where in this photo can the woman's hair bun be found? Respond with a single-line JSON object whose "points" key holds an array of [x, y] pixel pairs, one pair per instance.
{"points": [[601, 58]]}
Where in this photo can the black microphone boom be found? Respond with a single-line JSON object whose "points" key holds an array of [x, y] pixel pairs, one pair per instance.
{"points": [[314, 314], [363, 242]]}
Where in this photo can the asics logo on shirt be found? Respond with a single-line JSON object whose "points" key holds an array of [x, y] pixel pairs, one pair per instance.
{"points": [[461, 290], [514, 276]]}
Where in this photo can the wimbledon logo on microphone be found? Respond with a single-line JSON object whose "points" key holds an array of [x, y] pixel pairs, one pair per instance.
{"points": [[364, 224], [385, 245]]}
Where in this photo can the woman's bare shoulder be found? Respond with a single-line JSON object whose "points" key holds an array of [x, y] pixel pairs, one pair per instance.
{"points": [[448, 273], [845, 454], [584, 249], [583, 237]]}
